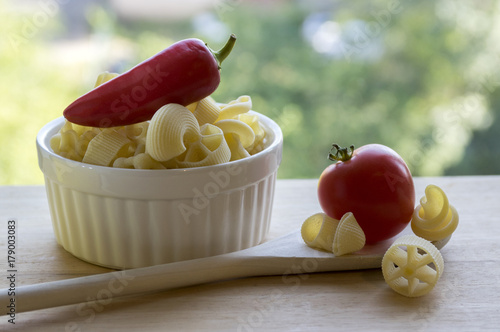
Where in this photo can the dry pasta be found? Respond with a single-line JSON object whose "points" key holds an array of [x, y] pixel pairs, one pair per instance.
{"points": [[106, 147], [244, 134], [318, 231], [192, 107], [349, 236], [340, 237], [137, 132], [210, 149], [237, 150], [412, 266], [139, 161], [68, 144], [104, 77], [172, 128], [140, 148], [72, 140], [434, 218], [206, 111], [253, 121], [241, 105]]}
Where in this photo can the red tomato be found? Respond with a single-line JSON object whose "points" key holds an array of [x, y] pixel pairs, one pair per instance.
{"points": [[374, 183]]}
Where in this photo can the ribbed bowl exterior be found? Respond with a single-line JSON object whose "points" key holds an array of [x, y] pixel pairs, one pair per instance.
{"points": [[122, 219], [127, 233]]}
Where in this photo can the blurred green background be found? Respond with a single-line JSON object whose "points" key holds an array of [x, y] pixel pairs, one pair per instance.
{"points": [[419, 76]]}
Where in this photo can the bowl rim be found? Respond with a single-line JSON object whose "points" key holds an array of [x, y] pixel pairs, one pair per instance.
{"points": [[51, 128]]}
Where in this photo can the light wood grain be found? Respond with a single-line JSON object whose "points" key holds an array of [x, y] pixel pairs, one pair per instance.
{"points": [[467, 297]]}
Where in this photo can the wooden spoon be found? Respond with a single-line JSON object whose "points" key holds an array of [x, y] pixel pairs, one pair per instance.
{"points": [[284, 256]]}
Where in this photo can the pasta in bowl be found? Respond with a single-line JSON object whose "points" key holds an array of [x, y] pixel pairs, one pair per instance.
{"points": [[127, 216]]}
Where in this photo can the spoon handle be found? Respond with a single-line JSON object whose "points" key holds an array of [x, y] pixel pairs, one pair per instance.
{"points": [[282, 256], [106, 286]]}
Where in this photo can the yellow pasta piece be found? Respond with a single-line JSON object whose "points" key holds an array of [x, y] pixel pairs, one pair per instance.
{"points": [[106, 147], [241, 105], [318, 231], [104, 77], [434, 218], [72, 140], [253, 121], [67, 126], [192, 107], [349, 237], [340, 237], [139, 161], [256, 147], [206, 111], [123, 162], [412, 266], [55, 142], [69, 145], [84, 141], [240, 130], [137, 131], [144, 161], [172, 163], [80, 130], [88, 135], [137, 134], [237, 150], [172, 127], [140, 148], [210, 149]]}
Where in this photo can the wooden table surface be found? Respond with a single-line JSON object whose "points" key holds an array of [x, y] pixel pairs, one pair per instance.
{"points": [[466, 298]]}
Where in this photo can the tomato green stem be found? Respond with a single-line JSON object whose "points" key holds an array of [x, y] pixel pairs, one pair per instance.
{"points": [[224, 51], [340, 154]]}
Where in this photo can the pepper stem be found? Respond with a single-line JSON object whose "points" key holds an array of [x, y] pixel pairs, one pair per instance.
{"points": [[340, 154], [224, 51]]}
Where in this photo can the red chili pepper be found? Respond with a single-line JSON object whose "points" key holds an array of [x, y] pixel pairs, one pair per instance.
{"points": [[183, 73]]}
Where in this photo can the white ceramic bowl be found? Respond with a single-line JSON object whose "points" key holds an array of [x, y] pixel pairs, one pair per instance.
{"points": [[126, 218]]}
